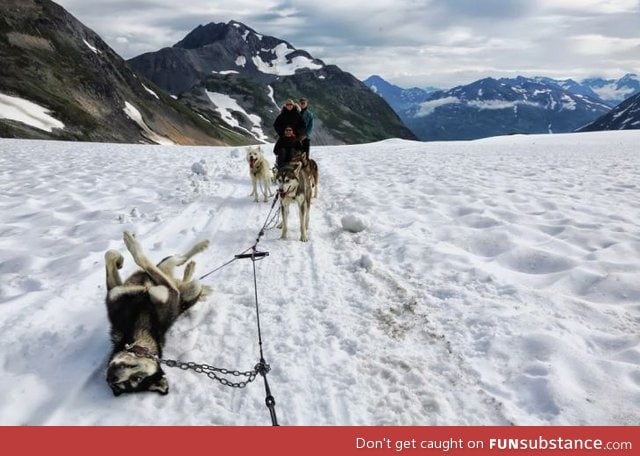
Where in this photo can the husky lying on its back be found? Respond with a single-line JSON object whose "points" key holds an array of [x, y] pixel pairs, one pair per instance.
{"points": [[141, 310]]}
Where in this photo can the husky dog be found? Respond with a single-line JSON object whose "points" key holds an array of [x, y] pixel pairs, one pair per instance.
{"points": [[310, 167], [260, 172], [141, 310], [294, 186]]}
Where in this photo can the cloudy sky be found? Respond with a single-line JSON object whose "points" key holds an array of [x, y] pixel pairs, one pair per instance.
{"points": [[441, 43]]}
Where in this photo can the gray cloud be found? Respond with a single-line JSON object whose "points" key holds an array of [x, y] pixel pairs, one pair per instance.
{"points": [[485, 9], [409, 42]]}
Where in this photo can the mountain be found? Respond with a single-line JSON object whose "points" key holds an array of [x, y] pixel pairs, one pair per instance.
{"points": [[614, 91], [493, 107], [230, 72], [397, 97], [574, 87], [625, 116], [54, 68]]}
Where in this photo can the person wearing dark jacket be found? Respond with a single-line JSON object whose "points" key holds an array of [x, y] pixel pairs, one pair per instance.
{"points": [[289, 116], [286, 147]]}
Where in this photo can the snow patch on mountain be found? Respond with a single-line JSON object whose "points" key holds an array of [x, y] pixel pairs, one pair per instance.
{"points": [[153, 94], [27, 112], [247, 31], [92, 47], [226, 72], [282, 65], [228, 108], [136, 116]]}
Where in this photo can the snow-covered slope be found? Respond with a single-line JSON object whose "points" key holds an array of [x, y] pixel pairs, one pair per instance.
{"points": [[492, 282]]}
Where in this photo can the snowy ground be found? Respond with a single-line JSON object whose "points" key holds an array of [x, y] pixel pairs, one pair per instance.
{"points": [[496, 282]]}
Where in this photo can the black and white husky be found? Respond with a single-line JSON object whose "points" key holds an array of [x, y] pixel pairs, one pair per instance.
{"points": [[141, 310], [294, 187]]}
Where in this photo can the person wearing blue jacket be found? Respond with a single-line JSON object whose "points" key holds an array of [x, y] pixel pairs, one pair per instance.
{"points": [[307, 116]]}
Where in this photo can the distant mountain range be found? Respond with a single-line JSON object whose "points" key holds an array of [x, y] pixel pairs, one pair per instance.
{"points": [[614, 91], [398, 98], [232, 73], [492, 107]]}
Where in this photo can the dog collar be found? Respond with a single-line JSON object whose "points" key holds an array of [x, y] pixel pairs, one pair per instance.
{"points": [[139, 351]]}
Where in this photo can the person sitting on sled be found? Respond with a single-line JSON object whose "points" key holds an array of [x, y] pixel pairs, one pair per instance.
{"points": [[286, 147]]}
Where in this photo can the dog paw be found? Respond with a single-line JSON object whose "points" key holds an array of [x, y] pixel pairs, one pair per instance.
{"points": [[190, 293], [188, 271], [114, 257], [201, 246], [160, 386], [134, 248], [205, 292], [129, 239]]}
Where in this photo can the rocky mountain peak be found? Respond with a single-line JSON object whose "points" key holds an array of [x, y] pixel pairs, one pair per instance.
{"points": [[212, 33], [231, 72], [629, 78]]}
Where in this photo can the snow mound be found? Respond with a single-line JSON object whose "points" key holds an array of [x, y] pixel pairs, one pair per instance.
{"points": [[354, 223], [200, 168]]}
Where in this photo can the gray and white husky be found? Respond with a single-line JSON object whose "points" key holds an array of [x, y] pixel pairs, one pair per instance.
{"points": [[310, 167], [294, 187], [141, 310]]}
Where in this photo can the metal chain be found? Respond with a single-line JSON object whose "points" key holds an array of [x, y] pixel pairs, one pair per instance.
{"points": [[210, 372]]}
